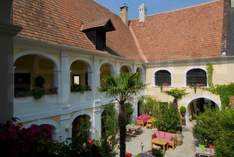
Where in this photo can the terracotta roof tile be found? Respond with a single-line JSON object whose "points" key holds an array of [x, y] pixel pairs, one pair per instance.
{"points": [[60, 21], [194, 32], [189, 33]]}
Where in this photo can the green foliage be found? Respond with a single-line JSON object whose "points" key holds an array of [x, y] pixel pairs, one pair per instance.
{"points": [[80, 88], [123, 86], [210, 71], [105, 149], [168, 119], [224, 143], [216, 127], [207, 127], [176, 93], [81, 129], [109, 122], [38, 93], [182, 109], [150, 106], [224, 91], [39, 82], [129, 111]]}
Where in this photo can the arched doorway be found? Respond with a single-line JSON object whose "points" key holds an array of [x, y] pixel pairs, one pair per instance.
{"points": [[106, 70], [125, 69], [81, 128], [34, 71], [80, 76], [198, 106]]}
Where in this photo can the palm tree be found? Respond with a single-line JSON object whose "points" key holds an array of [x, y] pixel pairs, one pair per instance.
{"points": [[122, 88], [177, 94]]}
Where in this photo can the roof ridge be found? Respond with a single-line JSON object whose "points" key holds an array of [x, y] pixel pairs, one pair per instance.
{"points": [[180, 9]]}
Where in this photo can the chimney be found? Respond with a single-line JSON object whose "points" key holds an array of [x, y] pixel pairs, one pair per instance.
{"points": [[124, 13], [142, 12]]}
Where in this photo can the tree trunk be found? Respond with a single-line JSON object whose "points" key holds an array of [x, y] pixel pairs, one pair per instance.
{"points": [[175, 103], [122, 129]]}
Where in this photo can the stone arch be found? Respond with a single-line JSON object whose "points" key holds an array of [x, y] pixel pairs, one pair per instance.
{"points": [[39, 53], [49, 122], [125, 69], [189, 99], [30, 66], [80, 74], [81, 126], [106, 69]]}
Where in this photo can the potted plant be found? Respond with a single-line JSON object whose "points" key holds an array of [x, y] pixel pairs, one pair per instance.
{"points": [[39, 91]]}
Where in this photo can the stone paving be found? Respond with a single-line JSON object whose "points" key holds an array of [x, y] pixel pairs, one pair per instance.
{"points": [[185, 150]]}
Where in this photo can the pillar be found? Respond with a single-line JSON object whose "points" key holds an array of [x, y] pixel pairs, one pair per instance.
{"points": [[7, 33]]}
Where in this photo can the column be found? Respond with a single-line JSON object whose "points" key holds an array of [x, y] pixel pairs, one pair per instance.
{"points": [[97, 123], [7, 33], [64, 83]]}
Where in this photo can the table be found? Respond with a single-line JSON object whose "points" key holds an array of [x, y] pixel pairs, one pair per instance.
{"points": [[207, 152], [159, 142]]}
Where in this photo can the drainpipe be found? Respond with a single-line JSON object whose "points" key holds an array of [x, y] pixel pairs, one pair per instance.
{"points": [[7, 33]]}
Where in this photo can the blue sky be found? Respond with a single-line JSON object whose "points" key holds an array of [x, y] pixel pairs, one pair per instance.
{"points": [[153, 6]]}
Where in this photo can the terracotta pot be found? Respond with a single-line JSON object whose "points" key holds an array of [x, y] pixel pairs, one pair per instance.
{"points": [[179, 138]]}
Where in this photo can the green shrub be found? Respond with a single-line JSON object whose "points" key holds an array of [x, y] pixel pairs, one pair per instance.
{"points": [[216, 127], [182, 110], [38, 93], [149, 105], [109, 122], [168, 119], [39, 82]]}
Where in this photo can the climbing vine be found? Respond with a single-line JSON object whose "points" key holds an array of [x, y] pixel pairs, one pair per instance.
{"points": [[210, 71], [224, 91]]}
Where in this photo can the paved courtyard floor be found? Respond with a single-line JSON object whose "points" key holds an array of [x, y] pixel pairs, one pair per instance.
{"points": [[185, 150]]}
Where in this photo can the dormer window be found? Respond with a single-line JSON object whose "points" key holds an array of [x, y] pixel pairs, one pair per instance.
{"points": [[96, 32]]}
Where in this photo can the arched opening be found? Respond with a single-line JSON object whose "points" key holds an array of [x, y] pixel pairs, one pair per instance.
{"points": [[80, 76], [32, 72], [125, 69], [196, 77], [198, 106], [81, 128], [140, 72], [162, 78], [106, 70]]}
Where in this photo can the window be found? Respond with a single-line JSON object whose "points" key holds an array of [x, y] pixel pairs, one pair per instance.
{"points": [[196, 77], [22, 83], [76, 79], [162, 78]]}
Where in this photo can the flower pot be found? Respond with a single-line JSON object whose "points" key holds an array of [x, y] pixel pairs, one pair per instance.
{"points": [[179, 138]]}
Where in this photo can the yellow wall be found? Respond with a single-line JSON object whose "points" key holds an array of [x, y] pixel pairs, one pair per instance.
{"points": [[223, 74]]}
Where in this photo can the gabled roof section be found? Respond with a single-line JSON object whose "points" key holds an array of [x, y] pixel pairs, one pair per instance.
{"points": [[189, 33], [103, 24], [60, 22]]}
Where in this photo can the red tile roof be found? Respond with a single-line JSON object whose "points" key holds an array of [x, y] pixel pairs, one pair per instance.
{"points": [[60, 21], [189, 33], [194, 32]]}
